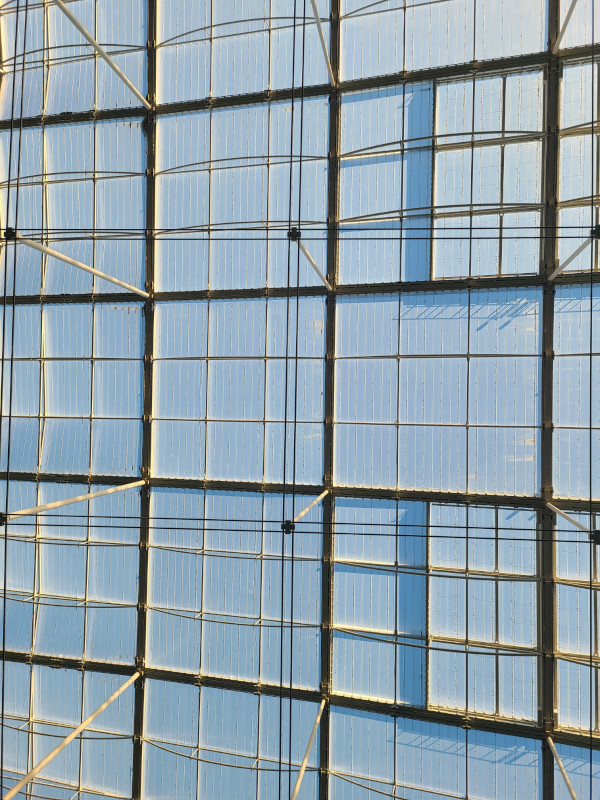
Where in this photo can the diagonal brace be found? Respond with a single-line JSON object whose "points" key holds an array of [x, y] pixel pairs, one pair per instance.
{"points": [[308, 508], [102, 53], [322, 40], [563, 771], [65, 742], [4, 518], [12, 234], [313, 264], [563, 30], [294, 236], [571, 258], [594, 535], [308, 749]]}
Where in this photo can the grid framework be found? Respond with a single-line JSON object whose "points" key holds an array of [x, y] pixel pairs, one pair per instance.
{"points": [[551, 65]]}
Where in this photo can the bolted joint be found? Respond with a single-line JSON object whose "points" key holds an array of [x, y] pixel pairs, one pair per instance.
{"points": [[294, 234], [594, 233], [288, 526], [10, 234], [595, 537]]}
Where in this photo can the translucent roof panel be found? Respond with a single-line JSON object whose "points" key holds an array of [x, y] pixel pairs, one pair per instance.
{"points": [[299, 416]]}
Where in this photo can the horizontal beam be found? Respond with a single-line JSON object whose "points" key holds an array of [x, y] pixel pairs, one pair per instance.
{"points": [[511, 727], [458, 71], [573, 504], [65, 742], [12, 235], [454, 284], [102, 53]]}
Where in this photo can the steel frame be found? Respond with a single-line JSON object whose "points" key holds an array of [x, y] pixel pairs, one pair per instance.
{"points": [[546, 723]]}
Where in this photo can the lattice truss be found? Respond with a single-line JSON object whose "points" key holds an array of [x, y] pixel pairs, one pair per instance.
{"points": [[300, 411]]}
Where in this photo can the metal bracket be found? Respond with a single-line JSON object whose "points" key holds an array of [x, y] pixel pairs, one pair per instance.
{"points": [[287, 526]]}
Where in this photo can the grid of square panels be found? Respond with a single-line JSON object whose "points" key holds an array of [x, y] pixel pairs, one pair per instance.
{"points": [[42, 706], [72, 404], [220, 399], [436, 606], [577, 629], [220, 595], [442, 388], [242, 46], [441, 179], [579, 157], [81, 189], [210, 742], [576, 396], [72, 573], [375, 755], [222, 220], [215, 579], [391, 36], [50, 69]]}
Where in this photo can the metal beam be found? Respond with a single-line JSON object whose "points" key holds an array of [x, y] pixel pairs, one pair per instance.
{"points": [[425, 495], [563, 771], [65, 742], [502, 281], [311, 741], [458, 71], [508, 726], [14, 236], [327, 547], [102, 53], [145, 521], [71, 501], [546, 595]]}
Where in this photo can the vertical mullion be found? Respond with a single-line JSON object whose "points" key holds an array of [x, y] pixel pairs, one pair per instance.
{"points": [[147, 404], [427, 600], [328, 445], [497, 656], [501, 180], [546, 519], [432, 212]]}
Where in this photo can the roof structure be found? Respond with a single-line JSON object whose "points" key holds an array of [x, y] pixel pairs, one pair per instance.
{"points": [[300, 419]]}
